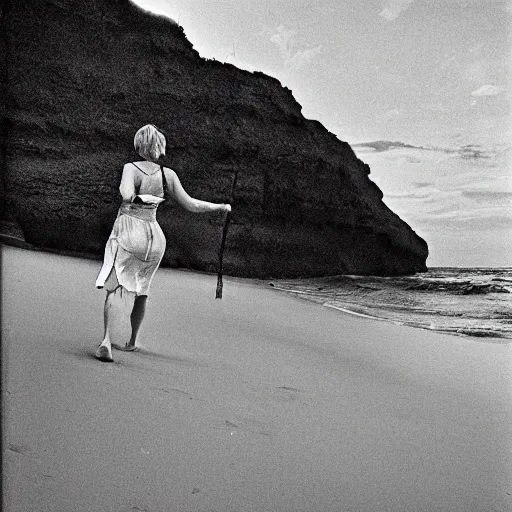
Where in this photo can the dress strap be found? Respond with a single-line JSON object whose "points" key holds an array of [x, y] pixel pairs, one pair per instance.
{"points": [[164, 182], [133, 163]]}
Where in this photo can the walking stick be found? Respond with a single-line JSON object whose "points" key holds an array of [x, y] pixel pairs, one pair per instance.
{"points": [[218, 292]]}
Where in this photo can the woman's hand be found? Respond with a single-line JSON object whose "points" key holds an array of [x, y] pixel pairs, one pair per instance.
{"points": [[226, 208]]}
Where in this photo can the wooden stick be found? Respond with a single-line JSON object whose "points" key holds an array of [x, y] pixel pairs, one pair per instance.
{"points": [[218, 291]]}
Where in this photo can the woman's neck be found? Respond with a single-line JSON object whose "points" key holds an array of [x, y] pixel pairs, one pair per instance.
{"points": [[148, 164]]}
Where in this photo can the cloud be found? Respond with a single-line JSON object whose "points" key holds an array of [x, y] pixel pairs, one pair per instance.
{"points": [[489, 196], [392, 8], [426, 192], [385, 145], [302, 57], [449, 194], [466, 152], [488, 90], [472, 152], [283, 40], [484, 218], [293, 56]]}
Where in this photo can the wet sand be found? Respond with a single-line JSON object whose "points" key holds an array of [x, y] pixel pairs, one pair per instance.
{"points": [[256, 402]]}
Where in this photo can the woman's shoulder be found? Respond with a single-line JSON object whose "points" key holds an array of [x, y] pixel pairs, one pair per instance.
{"points": [[170, 173], [132, 166]]}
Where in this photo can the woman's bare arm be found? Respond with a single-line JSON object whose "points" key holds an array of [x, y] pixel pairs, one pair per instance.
{"points": [[127, 186], [189, 203]]}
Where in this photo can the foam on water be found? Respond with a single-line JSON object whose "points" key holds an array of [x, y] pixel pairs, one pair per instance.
{"points": [[474, 302]]}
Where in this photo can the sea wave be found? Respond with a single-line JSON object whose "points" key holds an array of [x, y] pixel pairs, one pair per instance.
{"points": [[474, 302]]}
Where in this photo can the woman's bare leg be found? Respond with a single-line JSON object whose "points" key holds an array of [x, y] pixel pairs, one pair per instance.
{"points": [[136, 318], [104, 352]]}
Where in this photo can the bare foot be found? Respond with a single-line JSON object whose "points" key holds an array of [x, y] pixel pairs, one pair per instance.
{"points": [[104, 354], [126, 348]]}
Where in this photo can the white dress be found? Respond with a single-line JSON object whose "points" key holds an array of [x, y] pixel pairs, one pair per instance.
{"points": [[136, 245]]}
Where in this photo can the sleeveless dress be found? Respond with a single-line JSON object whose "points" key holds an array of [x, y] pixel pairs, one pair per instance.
{"points": [[136, 244]]}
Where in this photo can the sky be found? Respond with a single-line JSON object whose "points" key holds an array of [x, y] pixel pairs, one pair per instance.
{"points": [[431, 76]]}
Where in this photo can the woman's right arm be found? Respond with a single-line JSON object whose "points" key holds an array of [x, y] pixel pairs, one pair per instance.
{"points": [[189, 203], [127, 186]]}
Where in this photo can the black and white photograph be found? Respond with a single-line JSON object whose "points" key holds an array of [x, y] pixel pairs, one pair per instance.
{"points": [[256, 256]]}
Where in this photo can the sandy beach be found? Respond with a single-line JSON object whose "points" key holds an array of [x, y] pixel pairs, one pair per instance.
{"points": [[256, 402]]}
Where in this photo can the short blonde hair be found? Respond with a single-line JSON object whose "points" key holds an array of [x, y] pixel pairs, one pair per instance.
{"points": [[149, 143]]}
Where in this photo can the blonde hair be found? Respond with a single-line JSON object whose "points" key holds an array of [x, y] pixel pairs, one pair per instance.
{"points": [[149, 143]]}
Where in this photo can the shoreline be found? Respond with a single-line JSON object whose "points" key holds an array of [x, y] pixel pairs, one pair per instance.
{"points": [[481, 335]]}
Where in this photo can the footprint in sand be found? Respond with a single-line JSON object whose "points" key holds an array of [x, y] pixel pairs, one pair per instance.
{"points": [[19, 448], [244, 424], [288, 393], [286, 388], [178, 393], [279, 394]]}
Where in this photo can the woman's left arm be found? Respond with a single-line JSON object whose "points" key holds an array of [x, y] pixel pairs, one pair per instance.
{"points": [[189, 203]]}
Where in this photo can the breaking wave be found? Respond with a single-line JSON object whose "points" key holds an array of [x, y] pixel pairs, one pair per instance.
{"points": [[474, 302]]}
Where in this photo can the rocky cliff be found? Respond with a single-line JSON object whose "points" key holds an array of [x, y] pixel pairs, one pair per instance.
{"points": [[82, 77]]}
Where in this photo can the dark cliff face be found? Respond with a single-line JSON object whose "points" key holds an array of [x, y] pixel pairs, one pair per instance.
{"points": [[82, 77]]}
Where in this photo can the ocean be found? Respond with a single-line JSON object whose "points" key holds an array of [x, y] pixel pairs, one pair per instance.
{"points": [[474, 302]]}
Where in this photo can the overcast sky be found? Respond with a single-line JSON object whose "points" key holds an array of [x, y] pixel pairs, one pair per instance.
{"points": [[433, 75]]}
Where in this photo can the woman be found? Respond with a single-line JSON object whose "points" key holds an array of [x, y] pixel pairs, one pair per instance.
{"points": [[137, 244]]}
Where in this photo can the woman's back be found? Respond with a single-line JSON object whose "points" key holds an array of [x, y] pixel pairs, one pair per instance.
{"points": [[148, 179]]}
